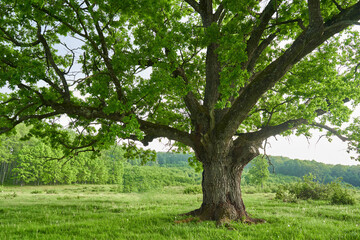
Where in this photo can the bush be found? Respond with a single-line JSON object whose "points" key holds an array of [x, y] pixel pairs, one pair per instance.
{"points": [[193, 190], [283, 194], [340, 195], [310, 189]]}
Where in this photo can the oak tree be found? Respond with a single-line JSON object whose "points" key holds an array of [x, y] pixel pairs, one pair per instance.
{"points": [[215, 76]]}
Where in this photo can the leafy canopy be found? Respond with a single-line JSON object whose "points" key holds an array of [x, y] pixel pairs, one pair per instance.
{"points": [[146, 69]]}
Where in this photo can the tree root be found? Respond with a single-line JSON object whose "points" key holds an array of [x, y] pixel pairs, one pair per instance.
{"points": [[222, 218]]}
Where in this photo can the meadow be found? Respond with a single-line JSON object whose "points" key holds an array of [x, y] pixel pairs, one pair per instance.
{"points": [[99, 212]]}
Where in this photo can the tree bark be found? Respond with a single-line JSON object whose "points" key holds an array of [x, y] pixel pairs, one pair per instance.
{"points": [[221, 184]]}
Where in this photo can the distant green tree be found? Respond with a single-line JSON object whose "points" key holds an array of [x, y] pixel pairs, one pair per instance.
{"points": [[259, 172], [33, 164]]}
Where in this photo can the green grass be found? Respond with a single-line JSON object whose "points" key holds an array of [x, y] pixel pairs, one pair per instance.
{"points": [[98, 212]]}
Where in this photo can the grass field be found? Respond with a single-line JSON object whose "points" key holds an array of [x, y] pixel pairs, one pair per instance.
{"points": [[99, 212]]}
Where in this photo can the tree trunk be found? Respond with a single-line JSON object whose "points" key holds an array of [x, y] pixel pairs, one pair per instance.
{"points": [[221, 185]]}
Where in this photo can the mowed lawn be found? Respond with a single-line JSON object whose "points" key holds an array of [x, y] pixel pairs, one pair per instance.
{"points": [[99, 212]]}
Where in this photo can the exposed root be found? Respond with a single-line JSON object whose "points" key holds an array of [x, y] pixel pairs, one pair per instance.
{"points": [[223, 215]]}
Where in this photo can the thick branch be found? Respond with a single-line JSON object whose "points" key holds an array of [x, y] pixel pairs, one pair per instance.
{"points": [[213, 69], [264, 44], [257, 33], [269, 131], [191, 102], [153, 131], [315, 18], [265, 80]]}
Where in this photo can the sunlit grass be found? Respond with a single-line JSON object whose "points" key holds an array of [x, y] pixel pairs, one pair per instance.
{"points": [[98, 212]]}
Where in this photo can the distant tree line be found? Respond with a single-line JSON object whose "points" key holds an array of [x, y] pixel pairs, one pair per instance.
{"points": [[34, 162], [325, 173]]}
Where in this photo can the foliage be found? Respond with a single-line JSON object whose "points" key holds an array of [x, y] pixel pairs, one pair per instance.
{"points": [[340, 195], [35, 162], [311, 189], [258, 173]]}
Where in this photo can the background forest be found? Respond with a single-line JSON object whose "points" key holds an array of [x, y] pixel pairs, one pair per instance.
{"points": [[32, 162]]}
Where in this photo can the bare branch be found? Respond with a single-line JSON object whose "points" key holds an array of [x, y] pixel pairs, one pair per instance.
{"points": [[332, 130], [269, 131], [299, 21]]}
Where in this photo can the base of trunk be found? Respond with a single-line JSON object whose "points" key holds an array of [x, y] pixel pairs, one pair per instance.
{"points": [[223, 214]]}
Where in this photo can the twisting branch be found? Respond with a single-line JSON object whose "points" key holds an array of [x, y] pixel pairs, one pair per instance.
{"points": [[153, 131]]}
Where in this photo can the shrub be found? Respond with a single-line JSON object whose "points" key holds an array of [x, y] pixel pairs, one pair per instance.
{"points": [[310, 189], [340, 195], [193, 190], [283, 194]]}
